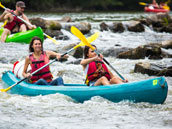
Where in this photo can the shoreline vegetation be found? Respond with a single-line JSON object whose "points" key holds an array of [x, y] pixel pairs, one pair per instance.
{"points": [[79, 6]]}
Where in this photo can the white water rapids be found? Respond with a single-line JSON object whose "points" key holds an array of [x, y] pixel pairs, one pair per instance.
{"points": [[59, 111]]}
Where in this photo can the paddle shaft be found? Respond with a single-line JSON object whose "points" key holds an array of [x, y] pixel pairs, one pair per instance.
{"points": [[31, 75], [68, 51]]}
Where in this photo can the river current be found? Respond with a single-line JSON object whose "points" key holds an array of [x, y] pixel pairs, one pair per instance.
{"points": [[59, 111]]}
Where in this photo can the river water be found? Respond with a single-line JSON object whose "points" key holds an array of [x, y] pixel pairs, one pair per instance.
{"points": [[59, 111]]}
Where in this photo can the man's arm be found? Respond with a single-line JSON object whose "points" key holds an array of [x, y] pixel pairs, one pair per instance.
{"points": [[3, 14], [26, 19], [8, 17]]}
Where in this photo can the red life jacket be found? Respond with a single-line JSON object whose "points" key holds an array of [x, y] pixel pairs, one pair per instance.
{"points": [[16, 21], [97, 69], [36, 64]]}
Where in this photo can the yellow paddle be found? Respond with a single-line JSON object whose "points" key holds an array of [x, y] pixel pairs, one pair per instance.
{"points": [[142, 3], [166, 7], [78, 34], [54, 41], [90, 39], [4, 23]]}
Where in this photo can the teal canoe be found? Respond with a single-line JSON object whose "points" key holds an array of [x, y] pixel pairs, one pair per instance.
{"points": [[151, 91], [24, 37]]}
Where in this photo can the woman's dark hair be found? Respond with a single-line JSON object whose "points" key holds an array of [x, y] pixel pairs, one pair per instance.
{"points": [[86, 49], [31, 43]]}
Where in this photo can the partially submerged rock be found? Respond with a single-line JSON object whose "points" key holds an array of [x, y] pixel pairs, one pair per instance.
{"points": [[84, 27], [135, 26], [153, 69], [114, 51], [150, 51]]}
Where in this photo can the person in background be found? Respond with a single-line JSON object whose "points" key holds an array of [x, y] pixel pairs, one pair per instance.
{"points": [[155, 4], [36, 60], [96, 71], [163, 5], [14, 24]]}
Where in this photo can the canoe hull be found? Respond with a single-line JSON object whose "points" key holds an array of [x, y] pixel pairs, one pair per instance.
{"points": [[24, 37], [151, 10], [150, 91]]}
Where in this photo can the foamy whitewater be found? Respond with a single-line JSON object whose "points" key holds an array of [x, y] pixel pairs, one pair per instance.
{"points": [[58, 111]]}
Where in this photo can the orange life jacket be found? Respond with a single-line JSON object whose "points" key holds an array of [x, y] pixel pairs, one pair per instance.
{"points": [[96, 70], [36, 64]]}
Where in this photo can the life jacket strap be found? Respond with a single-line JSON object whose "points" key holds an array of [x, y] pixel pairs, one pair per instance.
{"points": [[40, 74], [37, 62]]}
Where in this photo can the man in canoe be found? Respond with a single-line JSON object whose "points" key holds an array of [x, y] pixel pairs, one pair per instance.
{"points": [[37, 59], [96, 71], [14, 24]]}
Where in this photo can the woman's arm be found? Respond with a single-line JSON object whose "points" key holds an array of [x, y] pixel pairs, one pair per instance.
{"points": [[27, 62], [54, 54], [84, 62]]}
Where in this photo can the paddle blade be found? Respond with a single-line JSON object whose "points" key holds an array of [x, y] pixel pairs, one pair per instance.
{"points": [[7, 89], [2, 90], [78, 34], [54, 41], [91, 38], [1, 5], [142, 3], [4, 23], [166, 7]]}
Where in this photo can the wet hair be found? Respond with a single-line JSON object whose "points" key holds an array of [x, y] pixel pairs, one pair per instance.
{"points": [[31, 43], [86, 50]]}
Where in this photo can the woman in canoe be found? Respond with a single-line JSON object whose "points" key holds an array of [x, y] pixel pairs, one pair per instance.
{"points": [[96, 71], [36, 60]]}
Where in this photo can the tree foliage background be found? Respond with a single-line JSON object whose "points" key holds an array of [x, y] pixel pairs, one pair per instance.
{"points": [[79, 5]]}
